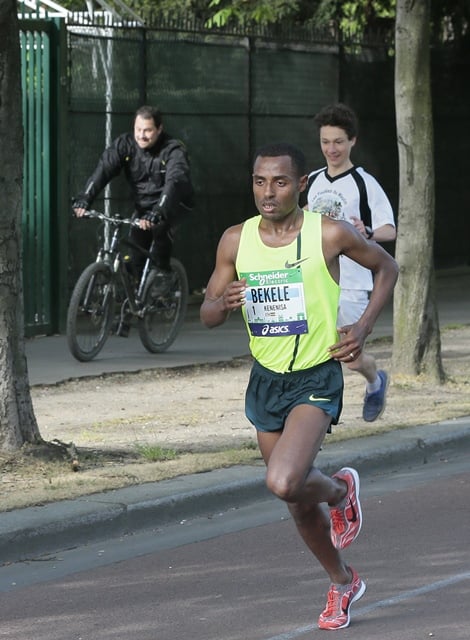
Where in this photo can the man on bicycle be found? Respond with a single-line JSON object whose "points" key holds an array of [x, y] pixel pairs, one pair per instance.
{"points": [[157, 169]]}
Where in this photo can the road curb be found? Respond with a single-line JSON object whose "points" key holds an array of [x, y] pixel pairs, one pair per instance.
{"points": [[410, 445], [28, 532], [34, 531]]}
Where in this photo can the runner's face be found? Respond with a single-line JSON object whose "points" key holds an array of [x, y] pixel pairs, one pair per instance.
{"points": [[276, 187], [336, 147], [145, 132]]}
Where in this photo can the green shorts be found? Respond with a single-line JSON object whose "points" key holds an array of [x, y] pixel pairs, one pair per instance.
{"points": [[271, 396]]}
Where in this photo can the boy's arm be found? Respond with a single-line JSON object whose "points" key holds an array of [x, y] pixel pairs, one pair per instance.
{"points": [[347, 241]]}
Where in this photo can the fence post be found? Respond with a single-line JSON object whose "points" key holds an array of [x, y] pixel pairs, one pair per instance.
{"points": [[61, 211]]}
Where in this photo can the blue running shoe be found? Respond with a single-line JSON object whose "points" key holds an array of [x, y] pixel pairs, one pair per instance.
{"points": [[374, 403]]}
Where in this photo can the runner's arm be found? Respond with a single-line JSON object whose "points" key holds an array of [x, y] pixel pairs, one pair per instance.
{"points": [[224, 292]]}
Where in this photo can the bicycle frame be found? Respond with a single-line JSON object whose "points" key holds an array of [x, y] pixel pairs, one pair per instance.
{"points": [[111, 254]]}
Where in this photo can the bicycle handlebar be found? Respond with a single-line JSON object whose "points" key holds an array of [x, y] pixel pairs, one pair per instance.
{"points": [[114, 220]]}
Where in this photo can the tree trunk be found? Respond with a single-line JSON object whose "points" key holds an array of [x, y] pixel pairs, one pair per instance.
{"points": [[416, 335], [17, 421]]}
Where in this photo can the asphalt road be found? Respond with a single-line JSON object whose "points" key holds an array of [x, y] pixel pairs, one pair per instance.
{"points": [[245, 575]]}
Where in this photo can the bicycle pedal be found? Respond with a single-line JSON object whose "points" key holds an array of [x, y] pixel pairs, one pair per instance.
{"points": [[123, 330], [163, 283]]}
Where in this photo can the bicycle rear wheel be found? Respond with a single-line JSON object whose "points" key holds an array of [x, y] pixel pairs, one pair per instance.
{"points": [[90, 312], [163, 314]]}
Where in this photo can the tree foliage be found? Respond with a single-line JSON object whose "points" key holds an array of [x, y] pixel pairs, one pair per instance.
{"points": [[449, 19], [262, 12]]}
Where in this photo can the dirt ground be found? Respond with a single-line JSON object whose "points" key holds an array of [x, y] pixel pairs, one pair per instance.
{"points": [[147, 426]]}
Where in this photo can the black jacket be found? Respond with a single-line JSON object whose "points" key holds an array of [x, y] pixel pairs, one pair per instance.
{"points": [[159, 176]]}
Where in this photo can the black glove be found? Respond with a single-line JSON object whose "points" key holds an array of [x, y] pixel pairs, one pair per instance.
{"points": [[157, 218], [80, 203]]}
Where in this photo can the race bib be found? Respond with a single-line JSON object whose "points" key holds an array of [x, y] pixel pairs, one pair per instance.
{"points": [[275, 303]]}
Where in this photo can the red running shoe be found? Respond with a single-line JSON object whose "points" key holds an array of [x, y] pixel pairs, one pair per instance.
{"points": [[346, 518], [337, 613]]}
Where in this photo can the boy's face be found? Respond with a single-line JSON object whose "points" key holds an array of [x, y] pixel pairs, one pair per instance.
{"points": [[336, 146]]}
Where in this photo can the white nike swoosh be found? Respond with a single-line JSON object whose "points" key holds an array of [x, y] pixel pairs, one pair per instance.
{"points": [[313, 398]]}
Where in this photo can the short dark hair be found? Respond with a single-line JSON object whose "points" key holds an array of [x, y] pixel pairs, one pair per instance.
{"points": [[275, 149], [149, 113], [338, 115]]}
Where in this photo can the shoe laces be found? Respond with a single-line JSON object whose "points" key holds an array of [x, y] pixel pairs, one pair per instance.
{"points": [[333, 602], [374, 400], [337, 519]]}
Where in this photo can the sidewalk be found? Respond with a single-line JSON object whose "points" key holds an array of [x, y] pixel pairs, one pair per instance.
{"points": [[49, 360], [25, 533]]}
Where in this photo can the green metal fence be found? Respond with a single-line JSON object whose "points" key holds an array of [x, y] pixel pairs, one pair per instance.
{"points": [[223, 95], [41, 229]]}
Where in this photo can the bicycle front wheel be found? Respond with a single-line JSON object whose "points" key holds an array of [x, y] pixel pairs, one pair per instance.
{"points": [[90, 312], [163, 313]]}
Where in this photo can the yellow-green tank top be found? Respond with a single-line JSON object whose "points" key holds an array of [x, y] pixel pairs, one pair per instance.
{"points": [[291, 299]]}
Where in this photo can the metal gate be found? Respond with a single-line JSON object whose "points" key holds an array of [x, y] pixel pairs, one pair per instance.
{"points": [[40, 57]]}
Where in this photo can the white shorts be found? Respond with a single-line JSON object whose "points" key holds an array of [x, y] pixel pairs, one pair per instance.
{"points": [[352, 303]]}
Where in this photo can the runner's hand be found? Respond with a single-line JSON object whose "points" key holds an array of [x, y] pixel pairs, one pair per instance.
{"points": [[234, 295], [350, 345]]}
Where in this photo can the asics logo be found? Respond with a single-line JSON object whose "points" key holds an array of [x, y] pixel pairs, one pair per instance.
{"points": [[267, 330], [291, 265]]}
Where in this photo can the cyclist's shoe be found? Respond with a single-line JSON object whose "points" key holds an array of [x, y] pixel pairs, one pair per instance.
{"points": [[346, 517], [337, 613], [163, 283], [374, 403]]}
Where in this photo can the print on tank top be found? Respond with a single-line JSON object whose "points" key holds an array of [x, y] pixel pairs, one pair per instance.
{"points": [[275, 303]]}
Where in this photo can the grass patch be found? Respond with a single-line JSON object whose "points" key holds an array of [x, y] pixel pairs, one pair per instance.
{"points": [[380, 340], [457, 326], [154, 453], [105, 424]]}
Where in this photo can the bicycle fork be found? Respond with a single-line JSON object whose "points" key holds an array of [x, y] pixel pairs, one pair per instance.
{"points": [[133, 302]]}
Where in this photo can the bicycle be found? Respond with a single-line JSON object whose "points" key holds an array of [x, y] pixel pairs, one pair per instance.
{"points": [[109, 281]]}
